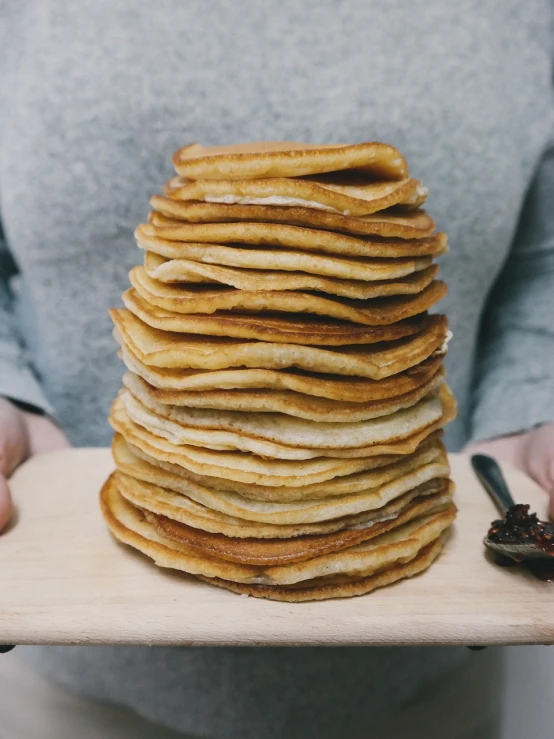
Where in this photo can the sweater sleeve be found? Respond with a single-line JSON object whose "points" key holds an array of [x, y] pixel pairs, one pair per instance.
{"points": [[514, 379], [18, 382]]}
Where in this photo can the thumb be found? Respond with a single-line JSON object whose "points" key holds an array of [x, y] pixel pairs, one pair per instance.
{"points": [[5, 502]]}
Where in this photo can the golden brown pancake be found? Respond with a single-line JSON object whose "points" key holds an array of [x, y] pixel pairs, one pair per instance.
{"points": [[192, 299], [293, 404], [384, 265], [411, 225], [362, 260], [377, 472], [253, 469], [185, 506], [160, 348], [299, 228], [278, 435], [397, 546], [288, 159], [254, 280], [340, 193], [282, 551], [328, 389], [339, 587], [281, 328]]}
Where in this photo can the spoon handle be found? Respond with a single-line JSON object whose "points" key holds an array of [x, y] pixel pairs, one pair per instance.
{"points": [[490, 475]]}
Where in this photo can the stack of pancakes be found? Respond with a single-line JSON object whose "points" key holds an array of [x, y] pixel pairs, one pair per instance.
{"points": [[278, 433]]}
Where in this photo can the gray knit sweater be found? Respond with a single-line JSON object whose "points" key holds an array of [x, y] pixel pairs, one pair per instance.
{"points": [[96, 95]]}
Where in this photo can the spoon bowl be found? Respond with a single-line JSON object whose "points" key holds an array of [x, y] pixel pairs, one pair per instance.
{"points": [[520, 535]]}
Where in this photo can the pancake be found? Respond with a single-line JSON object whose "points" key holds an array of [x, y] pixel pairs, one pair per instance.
{"points": [[288, 159], [411, 225], [332, 391], [338, 587], [191, 299], [182, 510], [253, 469], [171, 495], [399, 433], [349, 195], [247, 432], [254, 280], [245, 468], [306, 232], [240, 457], [174, 350], [255, 551], [292, 404], [390, 259], [281, 327], [278, 433], [397, 546], [359, 267], [141, 484], [377, 472], [324, 516]]}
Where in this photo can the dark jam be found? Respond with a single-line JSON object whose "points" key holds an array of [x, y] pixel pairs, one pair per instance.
{"points": [[522, 527]]}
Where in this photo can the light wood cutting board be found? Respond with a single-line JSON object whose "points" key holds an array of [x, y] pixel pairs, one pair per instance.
{"points": [[63, 580]]}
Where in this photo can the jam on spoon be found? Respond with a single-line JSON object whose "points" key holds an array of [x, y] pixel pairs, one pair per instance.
{"points": [[520, 535], [521, 527]]}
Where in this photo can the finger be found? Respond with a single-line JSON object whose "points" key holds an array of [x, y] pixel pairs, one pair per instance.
{"points": [[14, 439], [44, 435], [5, 502]]}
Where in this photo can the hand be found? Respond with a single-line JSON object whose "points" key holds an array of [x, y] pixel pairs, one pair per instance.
{"points": [[22, 435], [532, 452]]}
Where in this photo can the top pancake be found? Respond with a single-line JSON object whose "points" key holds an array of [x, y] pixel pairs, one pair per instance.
{"points": [[129, 525], [345, 194], [288, 159]]}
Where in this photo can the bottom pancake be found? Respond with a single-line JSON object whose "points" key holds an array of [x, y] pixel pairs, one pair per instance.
{"points": [[385, 552], [297, 549], [346, 589]]}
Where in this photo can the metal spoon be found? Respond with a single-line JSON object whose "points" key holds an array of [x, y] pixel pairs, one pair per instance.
{"points": [[530, 547]]}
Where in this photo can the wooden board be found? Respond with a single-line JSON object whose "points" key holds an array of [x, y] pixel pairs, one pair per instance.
{"points": [[63, 580]]}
